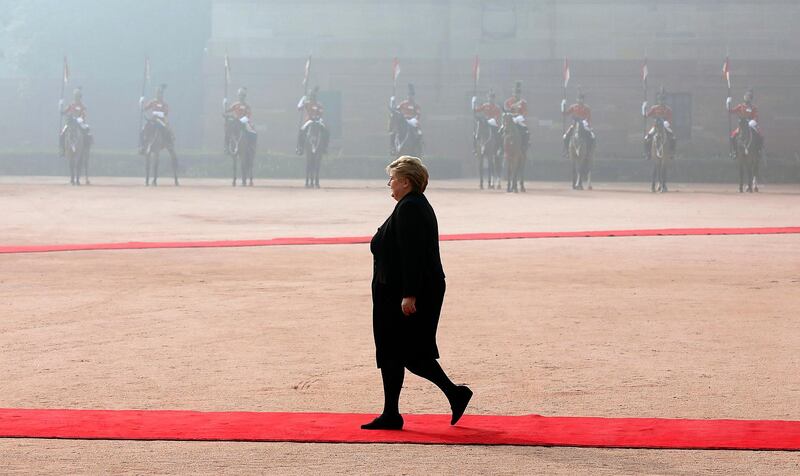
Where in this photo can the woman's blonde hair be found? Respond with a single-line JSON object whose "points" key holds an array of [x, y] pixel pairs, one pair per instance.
{"points": [[412, 169]]}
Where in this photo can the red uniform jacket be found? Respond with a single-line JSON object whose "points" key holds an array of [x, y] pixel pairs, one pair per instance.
{"points": [[664, 112], [409, 110], [580, 111], [76, 110], [239, 110], [517, 106], [313, 110], [743, 110], [156, 105], [490, 110]]}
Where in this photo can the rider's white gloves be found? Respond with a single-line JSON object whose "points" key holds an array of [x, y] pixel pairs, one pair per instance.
{"points": [[753, 124], [141, 102], [563, 105], [667, 125], [225, 104], [244, 120], [158, 114], [302, 101], [391, 102], [728, 102], [60, 105], [644, 108]]}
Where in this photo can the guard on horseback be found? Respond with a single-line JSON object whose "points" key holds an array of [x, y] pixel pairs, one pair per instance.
{"points": [[75, 111], [660, 111], [749, 112], [489, 110], [156, 112], [241, 112], [518, 107], [410, 111], [312, 112], [578, 112]]}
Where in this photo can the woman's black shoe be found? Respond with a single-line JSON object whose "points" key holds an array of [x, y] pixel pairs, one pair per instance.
{"points": [[385, 422], [459, 402]]}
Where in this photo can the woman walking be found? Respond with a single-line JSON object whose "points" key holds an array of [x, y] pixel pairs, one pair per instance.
{"points": [[407, 292]]}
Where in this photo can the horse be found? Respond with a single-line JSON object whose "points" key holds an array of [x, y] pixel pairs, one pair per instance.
{"points": [[76, 149], [487, 147], [581, 154], [513, 153], [407, 140], [314, 137], [240, 144], [661, 151], [157, 138], [748, 154]]}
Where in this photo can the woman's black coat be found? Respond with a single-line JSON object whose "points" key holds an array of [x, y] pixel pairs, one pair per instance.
{"points": [[407, 263]]}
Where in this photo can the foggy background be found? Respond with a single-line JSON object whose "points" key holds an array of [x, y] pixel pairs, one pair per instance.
{"points": [[352, 43]]}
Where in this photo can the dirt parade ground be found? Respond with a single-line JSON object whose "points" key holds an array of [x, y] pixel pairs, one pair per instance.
{"points": [[672, 327]]}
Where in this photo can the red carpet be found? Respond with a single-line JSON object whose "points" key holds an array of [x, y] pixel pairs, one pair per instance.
{"points": [[528, 430], [343, 240]]}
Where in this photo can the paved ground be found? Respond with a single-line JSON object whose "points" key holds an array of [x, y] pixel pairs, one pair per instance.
{"points": [[699, 327]]}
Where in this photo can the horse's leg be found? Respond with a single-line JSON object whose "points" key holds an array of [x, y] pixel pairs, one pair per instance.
{"points": [[480, 167], [318, 165], [509, 172], [663, 174], [741, 173], [71, 160], [589, 162], [574, 173], [654, 175], [156, 158], [85, 156], [756, 163], [749, 162], [174, 159], [521, 170], [147, 169]]}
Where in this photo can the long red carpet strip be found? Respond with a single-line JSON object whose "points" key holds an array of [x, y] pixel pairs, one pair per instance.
{"points": [[343, 240], [527, 430]]}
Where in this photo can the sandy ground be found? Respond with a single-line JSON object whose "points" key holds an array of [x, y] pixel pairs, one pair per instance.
{"points": [[695, 327]]}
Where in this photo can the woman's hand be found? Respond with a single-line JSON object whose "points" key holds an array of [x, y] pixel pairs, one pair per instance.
{"points": [[409, 305]]}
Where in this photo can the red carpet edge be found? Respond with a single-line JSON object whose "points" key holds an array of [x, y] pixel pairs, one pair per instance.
{"points": [[134, 245], [525, 430]]}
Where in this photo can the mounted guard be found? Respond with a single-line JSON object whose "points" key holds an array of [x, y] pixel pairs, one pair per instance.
{"points": [[75, 113], [747, 112], [410, 111], [660, 111], [241, 136], [578, 113], [312, 113], [518, 108]]}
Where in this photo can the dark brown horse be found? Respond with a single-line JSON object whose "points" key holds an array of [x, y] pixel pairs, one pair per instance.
{"points": [[240, 144], [748, 154], [661, 152], [76, 150], [513, 153], [314, 147], [487, 148], [158, 137], [581, 155]]}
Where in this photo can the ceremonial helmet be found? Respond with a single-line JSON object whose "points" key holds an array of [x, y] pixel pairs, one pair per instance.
{"points": [[411, 90], [517, 87], [241, 93], [77, 93], [748, 95]]}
